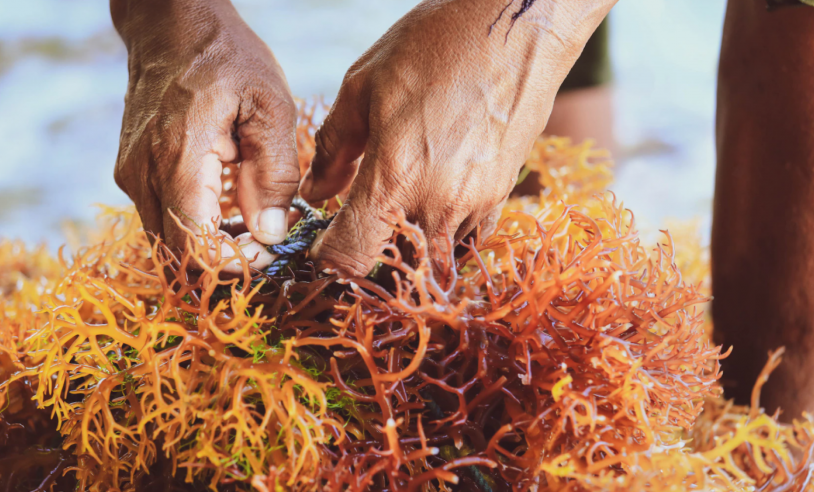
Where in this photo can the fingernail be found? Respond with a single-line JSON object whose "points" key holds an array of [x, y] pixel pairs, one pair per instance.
{"points": [[307, 184], [272, 226]]}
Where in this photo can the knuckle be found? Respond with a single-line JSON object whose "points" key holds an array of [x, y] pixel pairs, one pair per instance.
{"points": [[280, 104], [353, 81], [284, 179], [346, 260], [351, 243], [271, 104], [121, 177], [270, 125], [326, 138]]}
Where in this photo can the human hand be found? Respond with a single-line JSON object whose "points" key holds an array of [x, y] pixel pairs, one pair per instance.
{"points": [[204, 90], [445, 109]]}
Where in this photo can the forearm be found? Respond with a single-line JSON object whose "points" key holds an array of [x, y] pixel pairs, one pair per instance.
{"points": [[545, 36], [573, 21], [563, 27], [579, 11], [147, 26]]}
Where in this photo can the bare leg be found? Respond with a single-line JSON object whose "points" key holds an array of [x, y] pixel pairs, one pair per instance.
{"points": [[763, 228], [582, 114], [579, 114]]}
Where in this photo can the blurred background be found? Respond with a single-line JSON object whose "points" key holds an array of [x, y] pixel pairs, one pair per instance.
{"points": [[63, 74]]}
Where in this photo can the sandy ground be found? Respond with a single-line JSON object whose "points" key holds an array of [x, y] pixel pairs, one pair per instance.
{"points": [[63, 75]]}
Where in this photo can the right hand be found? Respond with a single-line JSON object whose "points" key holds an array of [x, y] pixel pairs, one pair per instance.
{"points": [[445, 110], [204, 90]]}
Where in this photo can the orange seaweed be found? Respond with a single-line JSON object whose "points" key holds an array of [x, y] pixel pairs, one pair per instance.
{"points": [[558, 354]]}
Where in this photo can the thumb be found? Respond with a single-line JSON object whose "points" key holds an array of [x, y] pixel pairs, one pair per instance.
{"points": [[269, 172], [339, 142]]}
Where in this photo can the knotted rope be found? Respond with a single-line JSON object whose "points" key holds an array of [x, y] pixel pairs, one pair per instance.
{"points": [[299, 240]]}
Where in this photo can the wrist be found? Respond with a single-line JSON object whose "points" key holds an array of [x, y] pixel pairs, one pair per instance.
{"points": [[573, 21], [167, 25]]}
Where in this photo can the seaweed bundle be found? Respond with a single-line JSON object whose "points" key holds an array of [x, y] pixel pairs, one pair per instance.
{"points": [[558, 354]]}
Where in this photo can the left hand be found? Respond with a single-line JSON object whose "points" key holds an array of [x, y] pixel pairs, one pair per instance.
{"points": [[204, 91]]}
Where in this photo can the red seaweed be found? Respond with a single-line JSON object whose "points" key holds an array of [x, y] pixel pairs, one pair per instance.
{"points": [[557, 354]]}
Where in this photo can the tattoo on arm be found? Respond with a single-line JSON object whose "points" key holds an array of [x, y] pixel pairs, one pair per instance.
{"points": [[524, 7]]}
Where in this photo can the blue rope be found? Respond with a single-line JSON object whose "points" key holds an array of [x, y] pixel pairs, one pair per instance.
{"points": [[296, 243], [299, 241]]}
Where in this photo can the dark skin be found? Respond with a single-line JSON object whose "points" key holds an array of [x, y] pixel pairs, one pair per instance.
{"points": [[436, 119], [444, 112], [445, 115], [763, 230], [204, 90]]}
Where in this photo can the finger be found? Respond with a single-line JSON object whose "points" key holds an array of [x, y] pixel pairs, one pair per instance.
{"points": [[129, 179], [149, 212], [234, 226], [488, 225], [480, 225], [339, 142], [196, 210], [270, 171], [223, 247], [439, 221], [189, 150], [255, 252], [191, 197], [148, 207], [356, 236], [442, 242]]}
